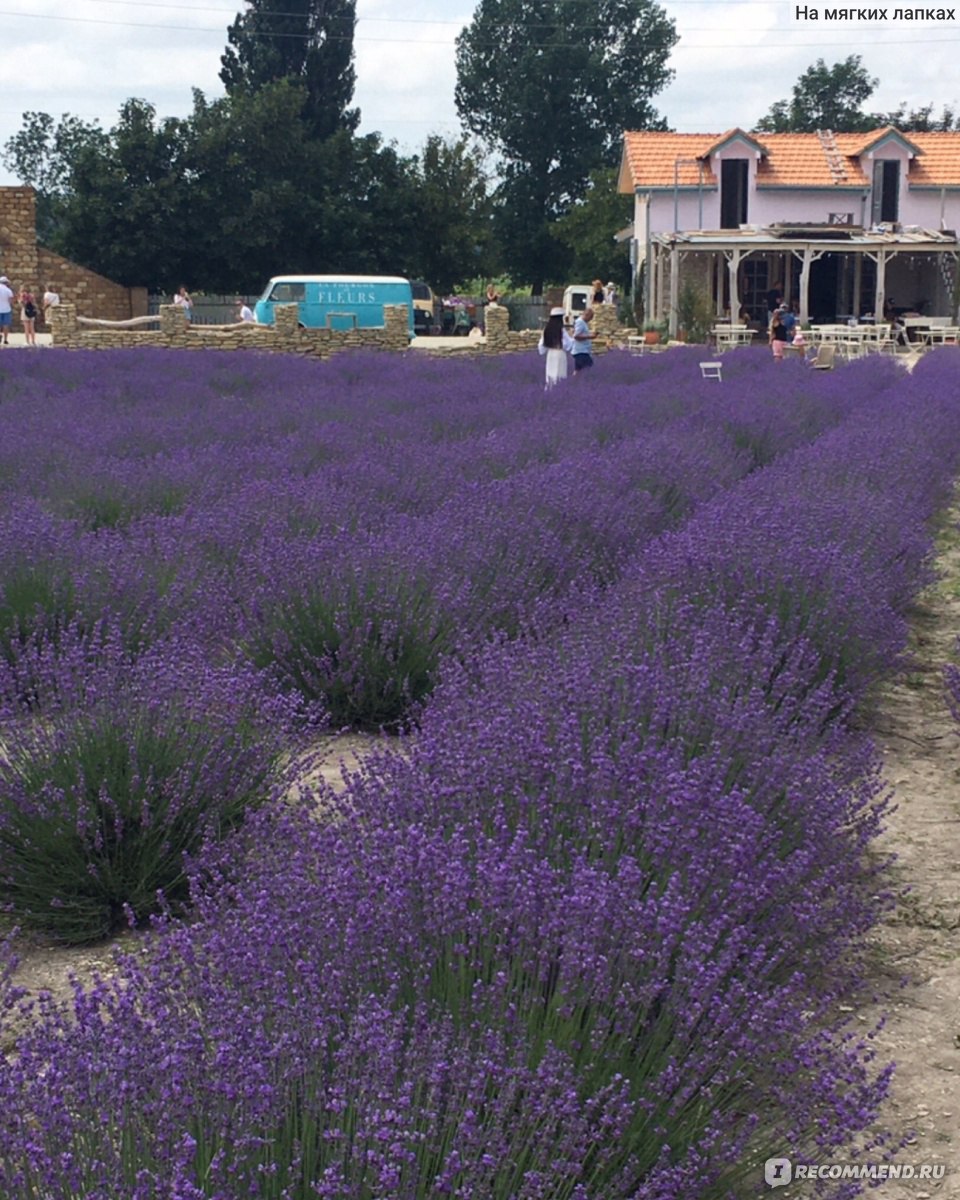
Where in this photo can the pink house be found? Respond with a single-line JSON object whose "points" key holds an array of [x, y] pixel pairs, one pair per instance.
{"points": [[843, 223]]}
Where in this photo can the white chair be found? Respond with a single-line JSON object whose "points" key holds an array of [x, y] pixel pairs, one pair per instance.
{"points": [[711, 370], [826, 356]]}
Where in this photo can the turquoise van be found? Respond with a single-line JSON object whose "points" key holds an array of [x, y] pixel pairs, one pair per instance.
{"points": [[336, 301]]}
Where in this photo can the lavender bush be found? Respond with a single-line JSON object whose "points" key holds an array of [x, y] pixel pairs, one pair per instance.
{"points": [[128, 768]]}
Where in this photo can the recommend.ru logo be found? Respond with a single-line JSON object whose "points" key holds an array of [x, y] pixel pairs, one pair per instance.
{"points": [[778, 1172]]}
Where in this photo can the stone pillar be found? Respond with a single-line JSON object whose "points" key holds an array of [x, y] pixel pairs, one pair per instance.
{"points": [[286, 321], [497, 325], [18, 241], [63, 324], [396, 326], [173, 323], [605, 325]]}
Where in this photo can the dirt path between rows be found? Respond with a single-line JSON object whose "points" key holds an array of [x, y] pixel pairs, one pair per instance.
{"points": [[919, 942]]}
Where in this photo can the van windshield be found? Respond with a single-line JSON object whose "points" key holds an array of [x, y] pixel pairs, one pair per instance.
{"points": [[420, 291], [288, 293]]}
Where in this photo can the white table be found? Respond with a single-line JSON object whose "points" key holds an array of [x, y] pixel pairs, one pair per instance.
{"points": [[728, 337]]}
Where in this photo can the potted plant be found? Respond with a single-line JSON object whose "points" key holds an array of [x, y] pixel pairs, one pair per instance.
{"points": [[652, 331]]}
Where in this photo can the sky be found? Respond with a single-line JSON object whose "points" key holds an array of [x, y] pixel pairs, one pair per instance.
{"points": [[733, 60]]}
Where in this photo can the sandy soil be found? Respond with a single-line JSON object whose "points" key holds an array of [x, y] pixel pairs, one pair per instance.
{"points": [[919, 944]]}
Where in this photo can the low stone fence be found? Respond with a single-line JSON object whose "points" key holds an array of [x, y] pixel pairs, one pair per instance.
{"points": [[500, 339], [285, 336]]}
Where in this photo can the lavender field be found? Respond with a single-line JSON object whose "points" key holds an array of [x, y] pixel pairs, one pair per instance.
{"points": [[585, 926]]}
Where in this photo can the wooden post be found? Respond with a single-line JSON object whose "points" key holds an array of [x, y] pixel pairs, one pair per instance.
{"points": [[733, 258], [674, 289], [881, 297], [805, 285], [857, 283]]}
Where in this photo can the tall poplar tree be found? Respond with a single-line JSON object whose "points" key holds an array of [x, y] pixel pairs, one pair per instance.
{"points": [[550, 87], [304, 41]]}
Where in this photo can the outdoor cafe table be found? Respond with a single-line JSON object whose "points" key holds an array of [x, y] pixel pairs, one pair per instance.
{"points": [[729, 336], [918, 329]]}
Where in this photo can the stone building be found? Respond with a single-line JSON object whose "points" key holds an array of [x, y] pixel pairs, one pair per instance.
{"points": [[26, 263]]}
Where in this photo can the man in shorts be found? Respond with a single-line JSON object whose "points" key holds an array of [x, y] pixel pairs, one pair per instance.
{"points": [[6, 310], [582, 339]]}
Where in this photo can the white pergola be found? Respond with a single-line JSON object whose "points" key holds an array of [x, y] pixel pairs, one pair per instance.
{"points": [[729, 248]]}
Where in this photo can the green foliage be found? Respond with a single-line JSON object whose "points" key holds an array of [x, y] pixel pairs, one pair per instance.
{"points": [[588, 229], [825, 98], [370, 661], [551, 97], [920, 120], [95, 820], [695, 312], [301, 41], [34, 597], [241, 189], [449, 197]]}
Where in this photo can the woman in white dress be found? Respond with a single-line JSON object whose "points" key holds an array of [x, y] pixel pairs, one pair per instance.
{"points": [[556, 344]]}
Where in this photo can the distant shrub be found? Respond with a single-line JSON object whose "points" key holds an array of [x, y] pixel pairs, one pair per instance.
{"points": [[367, 645]]}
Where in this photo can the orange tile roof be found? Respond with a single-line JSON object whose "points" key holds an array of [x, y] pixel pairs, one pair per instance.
{"points": [[939, 165], [650, 158], [792, 159]]}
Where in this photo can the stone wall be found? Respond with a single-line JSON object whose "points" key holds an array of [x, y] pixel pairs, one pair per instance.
{"points": [[502, 340], [27, 264], [285, 336]]}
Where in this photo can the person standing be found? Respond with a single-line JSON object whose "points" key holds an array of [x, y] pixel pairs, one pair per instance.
{"points": [[246, 312], [778, 334], [583, 341], [28, 316], [555, 343], [184, 300], [493, 296], [774, 300], [51, 298], [6, 310]]}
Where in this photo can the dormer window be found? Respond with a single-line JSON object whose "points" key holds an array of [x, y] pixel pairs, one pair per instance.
{"points": [[886, 191], [733, 193]]}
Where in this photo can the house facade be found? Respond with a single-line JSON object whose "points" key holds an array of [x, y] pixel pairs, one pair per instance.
{"points": [[841, 223]]}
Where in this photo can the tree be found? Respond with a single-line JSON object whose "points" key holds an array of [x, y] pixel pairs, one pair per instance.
{"points": [[126, 211], [825, 98], [304, 41], [552, 97], [588, 229], [920, 120], [452, 209], [41, 155]]}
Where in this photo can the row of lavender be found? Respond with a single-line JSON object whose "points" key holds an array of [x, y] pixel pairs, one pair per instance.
{"points": [[354, 529], [144, 633], [585, 936]]}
